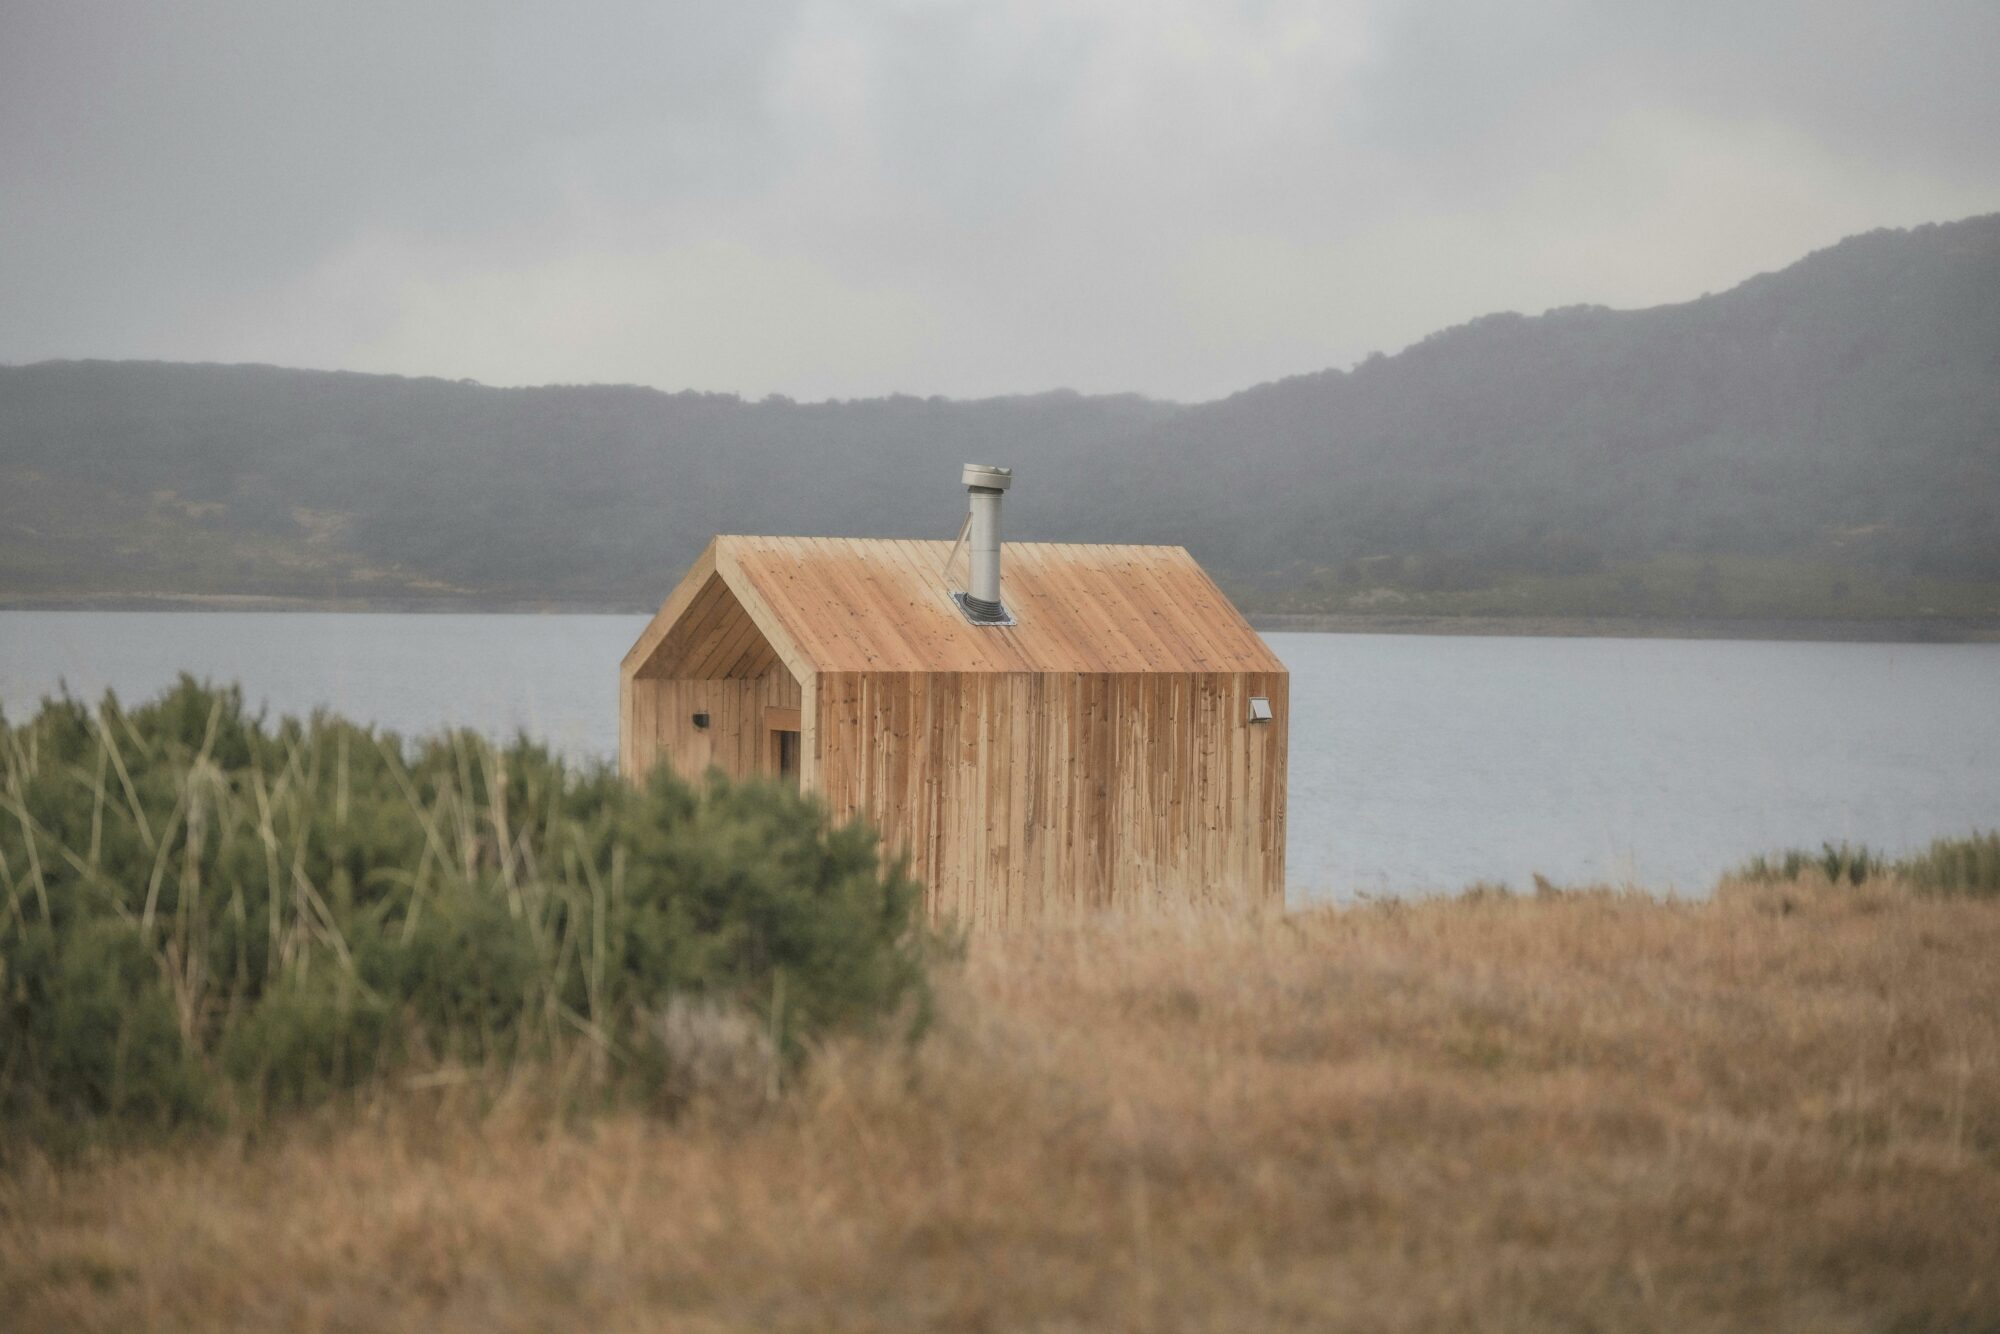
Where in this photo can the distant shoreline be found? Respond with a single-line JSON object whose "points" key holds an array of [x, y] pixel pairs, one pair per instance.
{"points": [[1895, 630], [1900, 629]]}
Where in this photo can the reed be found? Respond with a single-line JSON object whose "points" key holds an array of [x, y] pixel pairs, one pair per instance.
{"points": [[205, 917], [1958, 866], [1774, 1110], [1967, 867]]}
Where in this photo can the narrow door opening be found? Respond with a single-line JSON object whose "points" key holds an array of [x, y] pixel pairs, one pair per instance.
{"points": [[785, 754]]}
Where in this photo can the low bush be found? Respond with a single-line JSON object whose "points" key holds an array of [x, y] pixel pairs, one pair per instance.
{"points": [[1836, 861], [205, 916], [1956, 867]]}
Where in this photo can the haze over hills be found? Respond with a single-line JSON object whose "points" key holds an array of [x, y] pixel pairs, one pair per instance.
{"points": [[1820, 440]]}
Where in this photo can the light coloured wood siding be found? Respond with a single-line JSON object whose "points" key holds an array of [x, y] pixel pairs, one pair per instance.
{"points": [[657, 723], [713, 637], [1019, 795], [1097, 753]]}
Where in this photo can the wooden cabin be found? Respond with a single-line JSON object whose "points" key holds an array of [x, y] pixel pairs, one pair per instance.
{"points": [[1113, 735]]}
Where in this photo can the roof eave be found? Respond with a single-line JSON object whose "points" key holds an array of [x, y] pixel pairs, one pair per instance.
{"points": [[717, 560]]}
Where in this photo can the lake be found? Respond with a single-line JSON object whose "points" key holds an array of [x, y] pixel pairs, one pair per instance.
{"points": [[1419, 763]]}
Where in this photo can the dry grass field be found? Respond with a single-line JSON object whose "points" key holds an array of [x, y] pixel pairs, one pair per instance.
{"points": [[1778, 1110]]}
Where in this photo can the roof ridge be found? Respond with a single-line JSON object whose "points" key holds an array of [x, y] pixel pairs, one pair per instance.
{"points": [[946, 541], [880, 604]]}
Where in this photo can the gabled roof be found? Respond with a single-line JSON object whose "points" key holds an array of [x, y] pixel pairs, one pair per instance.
{"points": [[824, 604]]}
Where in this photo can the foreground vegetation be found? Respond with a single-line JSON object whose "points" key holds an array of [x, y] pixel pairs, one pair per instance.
{"points": [[297, 1024], [205, 918], [1951, 867], [1775, 1110]]}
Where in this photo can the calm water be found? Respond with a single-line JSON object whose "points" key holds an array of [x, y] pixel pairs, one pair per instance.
{"points": [[1418, 762]]}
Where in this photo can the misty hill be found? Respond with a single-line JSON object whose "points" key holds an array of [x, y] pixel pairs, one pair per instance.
{"points": [[1838, 421], [250, 479], [1844, 409]]}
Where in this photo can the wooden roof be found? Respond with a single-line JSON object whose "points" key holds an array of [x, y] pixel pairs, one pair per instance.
{"points": [[824, 604]]}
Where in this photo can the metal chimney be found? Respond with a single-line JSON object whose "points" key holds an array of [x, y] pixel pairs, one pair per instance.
{"points": [[984, 485]]}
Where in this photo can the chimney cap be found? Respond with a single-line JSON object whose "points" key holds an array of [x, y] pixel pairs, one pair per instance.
{"points": [[988, 477]]}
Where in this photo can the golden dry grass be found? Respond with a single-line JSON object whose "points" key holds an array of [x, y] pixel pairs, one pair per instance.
{"points": [[1779, 1110]]}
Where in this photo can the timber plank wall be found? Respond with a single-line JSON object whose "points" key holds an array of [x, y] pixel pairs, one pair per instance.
{"points": [[1021, 796], [1097, 754]]}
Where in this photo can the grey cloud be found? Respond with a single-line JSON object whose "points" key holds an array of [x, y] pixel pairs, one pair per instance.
{"points": [[240, 139], [1911, 82], [841, 198]]}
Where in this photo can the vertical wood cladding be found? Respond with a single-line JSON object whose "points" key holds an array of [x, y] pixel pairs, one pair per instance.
{"points": [[1019, 795], [1097, 753], [657, 723]]}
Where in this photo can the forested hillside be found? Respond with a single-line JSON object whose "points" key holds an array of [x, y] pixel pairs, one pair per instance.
{"points": [[1824, 438], [1844, 412]]}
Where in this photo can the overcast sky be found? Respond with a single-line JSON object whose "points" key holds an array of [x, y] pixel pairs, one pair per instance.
{"points": [[842, 199]]}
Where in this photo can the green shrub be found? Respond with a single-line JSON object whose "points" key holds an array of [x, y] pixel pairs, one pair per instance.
{"points": [[205, 915], [1950, 866], [1958, 866], [1836, 861]]}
